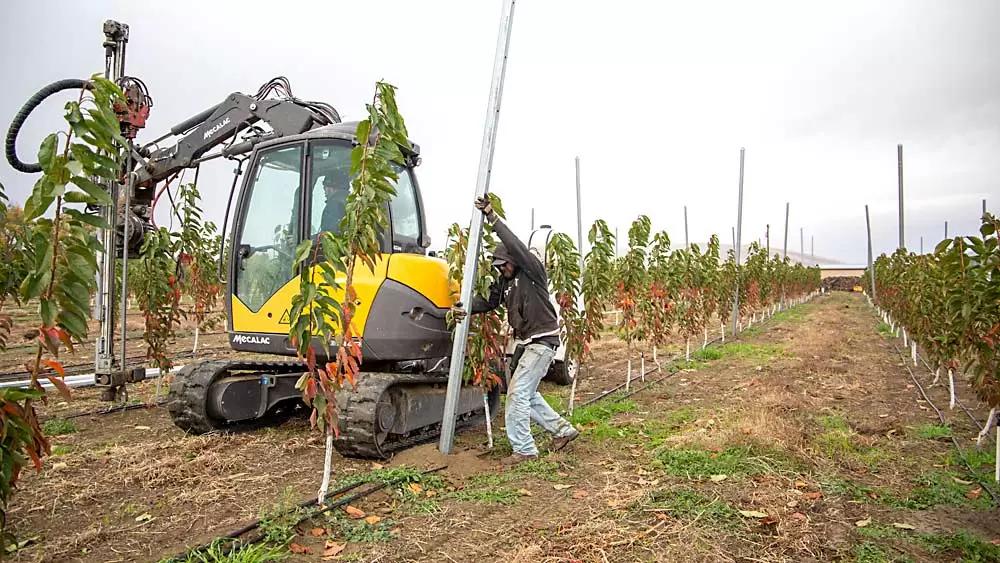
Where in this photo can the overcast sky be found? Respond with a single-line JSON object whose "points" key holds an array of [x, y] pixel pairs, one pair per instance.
{"points": [[655, 97]]}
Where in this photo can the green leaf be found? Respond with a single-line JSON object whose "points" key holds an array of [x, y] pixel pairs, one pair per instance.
{"points": [[302, 252], [95, 191], [47, 151]]}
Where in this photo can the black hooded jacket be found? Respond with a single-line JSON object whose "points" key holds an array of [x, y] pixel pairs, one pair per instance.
{"points": [[529, 309]]}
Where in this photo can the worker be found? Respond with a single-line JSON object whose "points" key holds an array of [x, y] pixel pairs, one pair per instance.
{"points": [[523, 288], [335, 189]]}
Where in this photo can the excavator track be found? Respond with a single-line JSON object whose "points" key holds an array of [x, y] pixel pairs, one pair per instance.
{"points": [[359, 416], [363, 412], [188, 397]]}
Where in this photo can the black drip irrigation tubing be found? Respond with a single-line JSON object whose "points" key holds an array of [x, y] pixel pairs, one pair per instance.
{"points": [[81, 369], [958, 448], [235, 534], [669, 363]]}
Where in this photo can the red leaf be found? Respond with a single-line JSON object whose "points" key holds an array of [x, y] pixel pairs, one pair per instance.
{"points": [[56, 366], [299, 549], [60, 385]]}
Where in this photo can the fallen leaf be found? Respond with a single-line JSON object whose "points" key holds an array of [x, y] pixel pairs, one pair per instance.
{"points": [[580, 494], [883, 416], [377, 465], [799, 516], [60, 465], [300, 549], [142, 428], [353, 512], [961, 481], [974, 493], [792, 503], [524, 492], [814, 495], [863, 523], [902, 526], [769, 520], [753, 514], [800, 484], [144, 518], [660, 516], [719, 478], [372, 520], [561, 474], [561, 487], [332, 549], [431, 493], [317, 532], [415, 488]]}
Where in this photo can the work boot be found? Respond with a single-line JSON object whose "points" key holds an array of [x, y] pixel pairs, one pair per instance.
{"points": [[516, 458], [563, 441]]}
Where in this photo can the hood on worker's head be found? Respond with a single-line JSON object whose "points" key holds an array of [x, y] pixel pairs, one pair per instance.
{"points": [[500, 255]]}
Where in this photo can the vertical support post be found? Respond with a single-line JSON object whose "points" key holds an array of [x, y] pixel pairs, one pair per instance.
{"points": [[802, 245], [532, 219], [984, 213], [871, 268], [476, 229], [687, 242], [946, 229], [616, 242], [739, 234], [767, 238], [899, 159], [785, 252], [115, 40], [812, 247], [921, 244], [579, 216]]}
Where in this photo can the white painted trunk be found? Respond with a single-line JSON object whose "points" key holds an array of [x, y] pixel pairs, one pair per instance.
{"points": [[937, 376], [572, 389], [704, 343], [913, 352], [642, 367], [197, 332], [628, 375], [489, 419], [951, 389], [986, 428], [722, 331], [327, 462]]}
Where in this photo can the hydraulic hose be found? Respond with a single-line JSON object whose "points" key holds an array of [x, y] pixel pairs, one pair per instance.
{"points": [[22, 115]]}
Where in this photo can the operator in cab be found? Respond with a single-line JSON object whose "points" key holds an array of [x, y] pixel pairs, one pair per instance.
{"points": [[335, 188], [523, 289]]}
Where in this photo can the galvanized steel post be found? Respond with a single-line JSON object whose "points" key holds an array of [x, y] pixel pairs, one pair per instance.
{"points": [[739, 234], [871, 268], [899, 159], [476, 228]]}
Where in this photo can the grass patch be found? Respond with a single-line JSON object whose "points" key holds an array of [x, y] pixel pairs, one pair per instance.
{"points": [[932, 431], [838, 442], [962, 544], [884, 330], [219, 552], [359, 531], [707, 354], [542, 469], [747, 351], [278, 522], [736, 461], [58, 427], [497, 495], [688, 504], [880, 532], [930, 489], [868, 552], [61, 450]]}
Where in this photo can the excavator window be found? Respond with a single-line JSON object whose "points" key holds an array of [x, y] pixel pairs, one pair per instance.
{"points": [[329, 183], [270, 228], [405, 215]]}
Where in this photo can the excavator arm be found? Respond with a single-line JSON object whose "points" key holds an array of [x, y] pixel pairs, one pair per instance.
{"points": [[222, 123]]}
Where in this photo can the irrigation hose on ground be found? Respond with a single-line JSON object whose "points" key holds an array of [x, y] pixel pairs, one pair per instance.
{"points": [[958, 448], [235, 534]]}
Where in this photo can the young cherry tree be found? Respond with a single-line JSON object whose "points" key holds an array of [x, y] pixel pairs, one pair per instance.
{"points": [[198, 247], [323, 309], [64, 267], [632, 287], [661, 311]]}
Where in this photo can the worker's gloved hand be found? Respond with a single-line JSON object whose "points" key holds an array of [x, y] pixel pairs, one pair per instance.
{"points": [[458, 313], [483, 204]]}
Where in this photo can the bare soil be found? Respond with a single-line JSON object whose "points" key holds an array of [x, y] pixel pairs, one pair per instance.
{"points": [[810, 425]]}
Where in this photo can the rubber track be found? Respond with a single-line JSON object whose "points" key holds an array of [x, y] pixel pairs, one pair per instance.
{"points": [[357, 416], [187, 399]]}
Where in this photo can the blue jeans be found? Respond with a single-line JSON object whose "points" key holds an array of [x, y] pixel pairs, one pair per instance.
{"points": [[526, 404]]}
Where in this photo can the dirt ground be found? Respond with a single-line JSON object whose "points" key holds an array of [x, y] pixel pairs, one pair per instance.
{"points": [[804, 441]]}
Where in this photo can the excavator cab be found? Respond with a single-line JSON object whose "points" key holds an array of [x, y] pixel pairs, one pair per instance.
{"points": [[296, 187]]}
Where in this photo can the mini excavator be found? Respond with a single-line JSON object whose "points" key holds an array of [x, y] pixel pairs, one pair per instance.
{"points": [[297, 154]]}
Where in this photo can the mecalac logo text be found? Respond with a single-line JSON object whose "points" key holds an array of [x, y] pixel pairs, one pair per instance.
{"points": [[250, 339], [215, 128]]}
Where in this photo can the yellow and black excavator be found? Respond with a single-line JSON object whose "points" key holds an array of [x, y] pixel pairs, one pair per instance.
{"points": [[298, 160]]}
